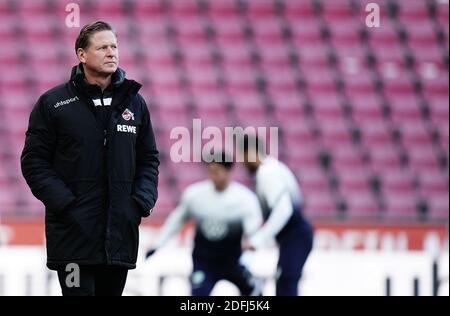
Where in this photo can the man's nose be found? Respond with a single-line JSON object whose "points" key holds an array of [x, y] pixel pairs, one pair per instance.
{"points": [[110, 52]]}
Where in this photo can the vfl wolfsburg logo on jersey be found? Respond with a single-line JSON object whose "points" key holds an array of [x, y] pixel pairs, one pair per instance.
{"points": [[127, 115], [214, 230]]}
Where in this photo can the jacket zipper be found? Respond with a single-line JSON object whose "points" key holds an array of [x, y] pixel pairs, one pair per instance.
{"points": [[99, 125], [111, 121], [107, 200], [106, 168]]}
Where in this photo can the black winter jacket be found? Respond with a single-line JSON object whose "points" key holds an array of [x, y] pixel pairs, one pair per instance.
{"points": [[95, 183]]}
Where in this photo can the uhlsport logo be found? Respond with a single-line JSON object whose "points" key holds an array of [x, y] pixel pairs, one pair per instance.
{"points": [[127, 115], [64, 102]]}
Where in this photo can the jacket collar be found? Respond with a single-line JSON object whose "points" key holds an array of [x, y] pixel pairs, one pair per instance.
{"points": [[122, 87], [118, 82], [77, 76]]}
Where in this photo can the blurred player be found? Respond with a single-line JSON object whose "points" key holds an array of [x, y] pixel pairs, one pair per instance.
{"points": [[223, 212], [281, 200]]}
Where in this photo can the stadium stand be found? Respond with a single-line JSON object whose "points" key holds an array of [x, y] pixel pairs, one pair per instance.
{"points": [[363, 112]]}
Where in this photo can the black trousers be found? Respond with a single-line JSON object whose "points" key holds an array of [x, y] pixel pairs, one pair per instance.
{"points": [[98, 280]]}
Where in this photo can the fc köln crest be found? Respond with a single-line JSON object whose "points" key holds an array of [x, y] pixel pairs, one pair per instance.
{"points": [[127, 115]]}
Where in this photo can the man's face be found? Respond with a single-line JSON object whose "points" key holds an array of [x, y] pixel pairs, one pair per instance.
{"points": [[219, 175], [101, 55], [250, 161]]}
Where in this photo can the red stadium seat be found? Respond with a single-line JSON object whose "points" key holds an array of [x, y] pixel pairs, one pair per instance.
{"points": [[362, 205], [319, 204], [401, 206], [397, 181]]}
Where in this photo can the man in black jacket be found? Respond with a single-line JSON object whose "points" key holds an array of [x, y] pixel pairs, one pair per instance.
{"points": [[90, 157]]}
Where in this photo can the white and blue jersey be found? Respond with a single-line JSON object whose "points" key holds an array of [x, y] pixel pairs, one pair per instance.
{"points": [[221, 218], [281, 201]]}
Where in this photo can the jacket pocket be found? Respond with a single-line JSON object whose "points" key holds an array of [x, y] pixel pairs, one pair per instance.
{"points": [[89, 209], [134, 211], [141, 206], [122, 202]]}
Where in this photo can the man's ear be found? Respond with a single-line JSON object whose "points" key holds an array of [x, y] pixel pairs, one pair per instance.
{"points": [[81, 54]]}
